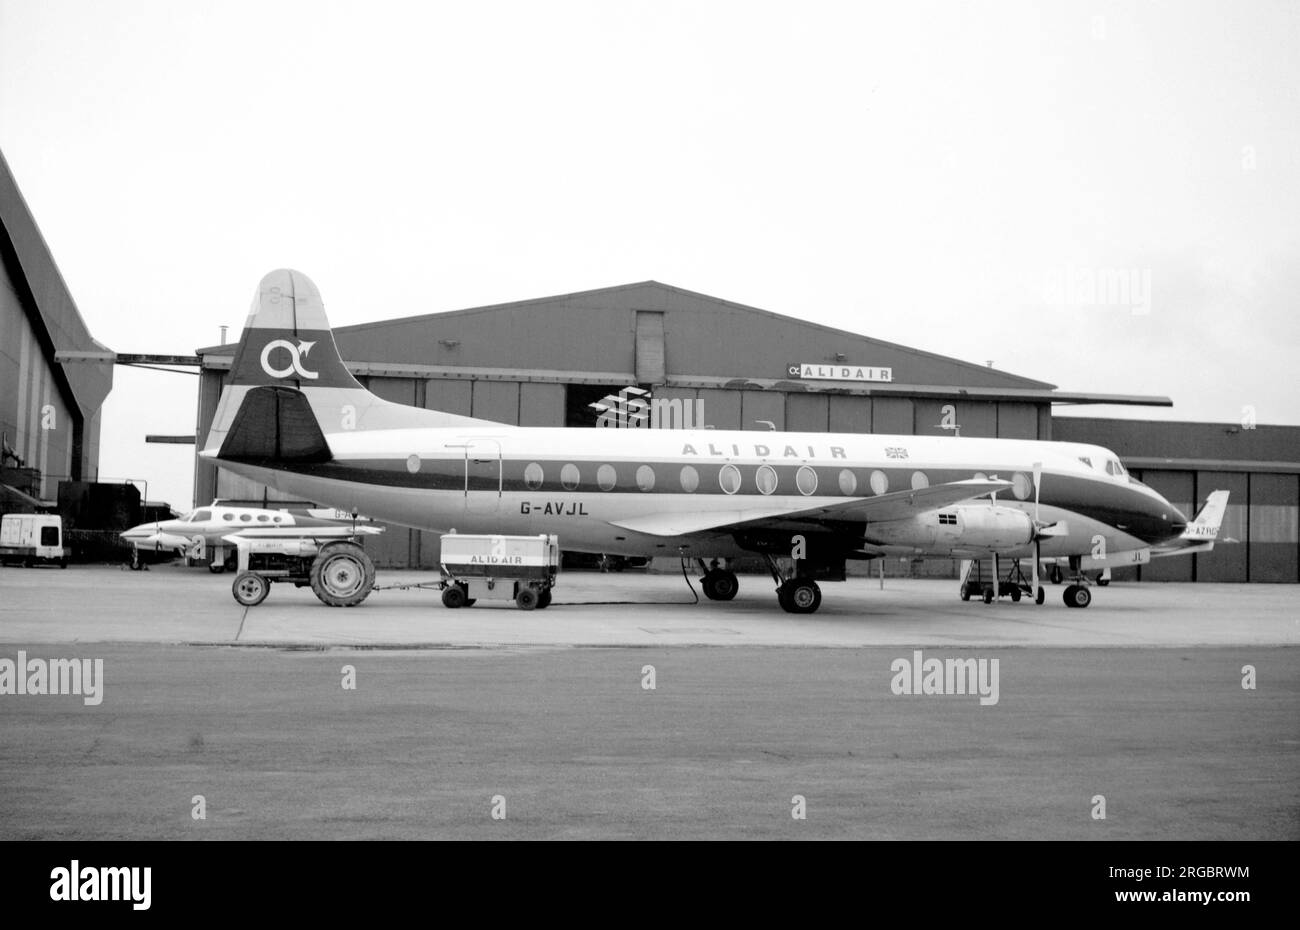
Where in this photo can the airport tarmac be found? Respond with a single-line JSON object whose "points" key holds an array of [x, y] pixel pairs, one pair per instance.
{"points": [[456, 715], [174, 604]]}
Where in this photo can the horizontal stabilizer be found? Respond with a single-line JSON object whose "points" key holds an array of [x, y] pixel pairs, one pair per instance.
{"points": [[275, 424]]}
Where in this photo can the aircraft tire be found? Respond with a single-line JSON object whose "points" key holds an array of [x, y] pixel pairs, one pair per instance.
{"points": [[1042, 595], [1015, 594], [1055, 574], [988, 594], [250, 588], [217, 567], [720, 585], [801, 596], [342, 575], [1077, 595]]}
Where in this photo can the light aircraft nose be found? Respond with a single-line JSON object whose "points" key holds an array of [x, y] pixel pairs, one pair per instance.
{"points": [[142, 531]]}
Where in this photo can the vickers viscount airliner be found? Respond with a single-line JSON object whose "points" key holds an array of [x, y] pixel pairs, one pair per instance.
{"points": [[294, 418]]}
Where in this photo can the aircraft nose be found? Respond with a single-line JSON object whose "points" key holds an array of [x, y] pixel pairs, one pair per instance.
{"points": [[1158, 521], [139, 532]]}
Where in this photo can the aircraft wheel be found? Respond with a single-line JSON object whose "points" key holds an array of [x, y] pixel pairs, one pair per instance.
{"points": [[802, 596], [250, 589], [544, 599], [217, 567], [1015, 594], [342, 575], [965, 592], [988, 595], [1103, 582], [453, 597], [720, 585], [527, 599], [1077, 595], [1055, 574], [136, 565], [1042, 595]]}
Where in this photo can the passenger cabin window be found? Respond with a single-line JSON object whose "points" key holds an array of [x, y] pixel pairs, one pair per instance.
{"points": [[227, 516], [729, 478]]}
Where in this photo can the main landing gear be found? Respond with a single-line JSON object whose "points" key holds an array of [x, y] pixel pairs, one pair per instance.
{"points": [[719, 584], [796, 594]]}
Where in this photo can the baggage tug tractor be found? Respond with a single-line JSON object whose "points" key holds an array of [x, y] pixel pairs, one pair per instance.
{"points": [[337, 569], [518, 568]]}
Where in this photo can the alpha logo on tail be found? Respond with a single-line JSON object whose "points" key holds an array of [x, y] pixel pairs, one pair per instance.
{"points": [[296, 354]]}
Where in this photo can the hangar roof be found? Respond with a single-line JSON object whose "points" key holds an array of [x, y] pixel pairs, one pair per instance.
{"points": [[703, 336], [590, 336], [45, 298]]}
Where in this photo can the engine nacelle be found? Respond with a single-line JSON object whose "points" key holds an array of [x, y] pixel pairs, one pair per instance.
{"points": [[973, 527]]}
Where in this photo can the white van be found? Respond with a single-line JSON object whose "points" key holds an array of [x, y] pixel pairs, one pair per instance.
{"points": [[29, 538]]}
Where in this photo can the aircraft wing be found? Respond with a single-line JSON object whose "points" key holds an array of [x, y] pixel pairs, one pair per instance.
{"points": [[897, 505]]}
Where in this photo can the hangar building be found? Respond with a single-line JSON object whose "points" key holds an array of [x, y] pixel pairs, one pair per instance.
{"points": [[544, 362], [49, 412]]}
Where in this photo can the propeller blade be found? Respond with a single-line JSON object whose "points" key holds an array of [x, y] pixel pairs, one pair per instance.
{"points": [[1038, 482], [1038, 550]]}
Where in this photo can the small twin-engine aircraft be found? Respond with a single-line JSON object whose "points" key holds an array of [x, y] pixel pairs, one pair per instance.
{"points": [[294, 418], [207, 531]]}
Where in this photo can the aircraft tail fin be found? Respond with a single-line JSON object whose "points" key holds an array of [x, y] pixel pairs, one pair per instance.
{"points": [[287, 338], [1205, 528], [289, 388]]}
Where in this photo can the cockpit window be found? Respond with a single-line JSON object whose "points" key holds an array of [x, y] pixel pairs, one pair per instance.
{"points": [[1115, 468], [1085, 460], [200, 516]]}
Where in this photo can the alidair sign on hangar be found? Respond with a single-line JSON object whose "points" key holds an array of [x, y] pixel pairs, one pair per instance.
{"points": [[810, 372]]}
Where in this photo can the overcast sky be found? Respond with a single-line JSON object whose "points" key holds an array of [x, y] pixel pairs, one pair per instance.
{"points": [[1105, 196]]}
